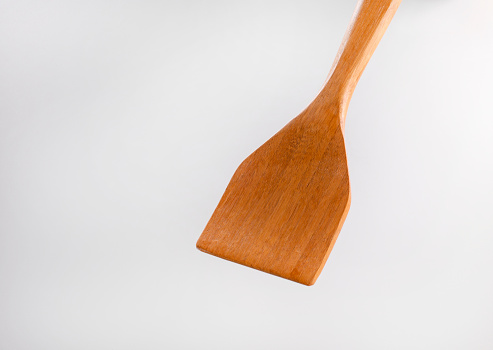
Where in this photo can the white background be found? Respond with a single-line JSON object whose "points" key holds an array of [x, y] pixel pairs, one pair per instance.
{"points": [[121, 123]]}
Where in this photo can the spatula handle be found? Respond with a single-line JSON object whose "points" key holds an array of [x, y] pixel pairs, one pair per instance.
{"points": [[369, 22]]}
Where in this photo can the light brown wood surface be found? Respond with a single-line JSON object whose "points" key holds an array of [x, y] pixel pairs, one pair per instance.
{"points": [[286, 203]]}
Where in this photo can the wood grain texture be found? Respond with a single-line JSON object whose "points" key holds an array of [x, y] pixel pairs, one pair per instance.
{"points": [[286, 203]]}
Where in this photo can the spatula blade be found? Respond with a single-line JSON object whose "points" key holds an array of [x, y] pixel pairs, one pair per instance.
{"points": [[285, 205]]}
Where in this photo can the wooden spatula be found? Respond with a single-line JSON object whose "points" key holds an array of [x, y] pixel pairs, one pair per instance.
{"points": [[285, 205]]}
